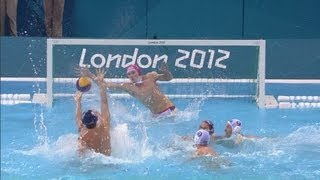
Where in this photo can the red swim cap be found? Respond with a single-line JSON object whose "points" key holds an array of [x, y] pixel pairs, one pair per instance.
{"points": [[134, 67]]}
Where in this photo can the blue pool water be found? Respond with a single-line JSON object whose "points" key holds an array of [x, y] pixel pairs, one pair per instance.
{"points": [[40, 143]]}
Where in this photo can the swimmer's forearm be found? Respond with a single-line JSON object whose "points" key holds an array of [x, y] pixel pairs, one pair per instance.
{"points": [[104, 107], [168, 76], [165, 76], [103, 95], [78, 112]]}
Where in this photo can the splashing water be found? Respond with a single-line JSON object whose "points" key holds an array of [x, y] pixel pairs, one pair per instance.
{"points": [[125, 147], [38, 120]]}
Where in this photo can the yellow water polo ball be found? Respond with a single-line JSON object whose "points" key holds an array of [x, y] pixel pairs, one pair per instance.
{"points": [[83, 84]]}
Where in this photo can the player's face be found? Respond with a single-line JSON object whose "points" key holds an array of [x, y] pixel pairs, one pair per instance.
{"points": [[204, 126], [228, 130], [133, 75]]}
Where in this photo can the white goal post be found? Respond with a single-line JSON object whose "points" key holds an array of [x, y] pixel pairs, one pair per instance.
{"points": [[260, 44]]}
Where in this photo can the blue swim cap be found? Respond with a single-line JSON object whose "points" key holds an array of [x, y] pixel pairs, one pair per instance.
{"points": [[202, 137], [89, 119]]}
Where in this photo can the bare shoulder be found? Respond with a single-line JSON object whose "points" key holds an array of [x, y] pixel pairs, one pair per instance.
{"points": [[152, 75], [127, 86]]}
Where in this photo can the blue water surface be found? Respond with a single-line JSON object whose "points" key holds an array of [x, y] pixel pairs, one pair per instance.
{"points": [[40, 143]]}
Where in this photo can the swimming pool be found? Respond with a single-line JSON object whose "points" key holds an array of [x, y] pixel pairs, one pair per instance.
{"points": [[40, 143]]}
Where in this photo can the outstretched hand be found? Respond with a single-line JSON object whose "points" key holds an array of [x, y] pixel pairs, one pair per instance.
{"points": [[166, 74], [100, 73], [164, 67], [83, 71], [99, 79]]}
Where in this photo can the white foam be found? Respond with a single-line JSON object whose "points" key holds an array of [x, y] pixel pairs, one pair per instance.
{"points": [[121, 143], [299, 136]]}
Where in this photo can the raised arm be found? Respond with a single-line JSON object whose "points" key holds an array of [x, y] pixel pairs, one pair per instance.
{"points": [[77, 99], [104, 107], [83, 71], [166, 74]]}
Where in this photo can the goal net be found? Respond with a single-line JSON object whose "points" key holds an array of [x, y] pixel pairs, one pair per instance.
{"points": [[201, 68]]}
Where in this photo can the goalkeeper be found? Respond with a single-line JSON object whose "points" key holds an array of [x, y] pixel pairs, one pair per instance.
{"points": [[144, 88]]}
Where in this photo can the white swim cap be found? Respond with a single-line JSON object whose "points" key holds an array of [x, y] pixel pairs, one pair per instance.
{"points": [[235, 125], [202, 137]]}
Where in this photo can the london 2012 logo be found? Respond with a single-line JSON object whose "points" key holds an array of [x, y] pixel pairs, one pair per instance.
{"points": [[195, 58]]}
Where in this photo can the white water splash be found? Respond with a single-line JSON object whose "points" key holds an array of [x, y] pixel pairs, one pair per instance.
{"points": [[307, 135], [126, 147]]}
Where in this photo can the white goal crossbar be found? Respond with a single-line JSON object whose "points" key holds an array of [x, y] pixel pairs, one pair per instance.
{"points": [[256, 43]]}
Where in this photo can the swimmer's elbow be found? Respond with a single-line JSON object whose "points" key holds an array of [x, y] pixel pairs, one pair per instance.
{"points": [[166, 78], [169, 78]]}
